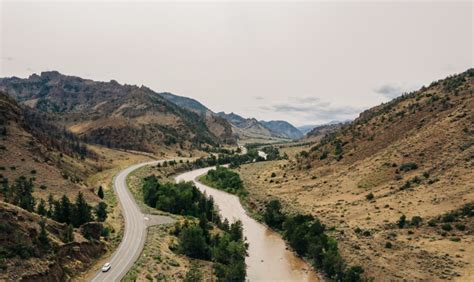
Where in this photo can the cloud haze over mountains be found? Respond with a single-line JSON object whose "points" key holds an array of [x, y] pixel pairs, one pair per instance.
{"points": [[246, 57]]}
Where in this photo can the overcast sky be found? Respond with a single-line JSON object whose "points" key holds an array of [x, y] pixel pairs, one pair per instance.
{"points": [[306, 62]]}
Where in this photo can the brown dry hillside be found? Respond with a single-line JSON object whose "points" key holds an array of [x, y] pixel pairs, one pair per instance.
{"points": [[115, 115], [34, 148], [412, 156]]}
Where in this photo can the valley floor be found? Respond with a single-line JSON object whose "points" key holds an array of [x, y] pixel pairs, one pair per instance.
{"points": [[367, 230]]}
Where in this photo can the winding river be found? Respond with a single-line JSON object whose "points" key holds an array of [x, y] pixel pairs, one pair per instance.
{"points": [[269, 259]]}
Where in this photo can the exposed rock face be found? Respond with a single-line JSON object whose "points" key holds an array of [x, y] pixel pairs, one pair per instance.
{"points": [[283, 129], [252, 128], [219, 126]]}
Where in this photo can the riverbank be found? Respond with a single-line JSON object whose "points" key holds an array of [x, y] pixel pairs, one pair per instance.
{"points": [[255, 214], [269, 257]]}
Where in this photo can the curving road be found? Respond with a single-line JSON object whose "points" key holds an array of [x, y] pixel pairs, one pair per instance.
{"points": [[135, 230]]}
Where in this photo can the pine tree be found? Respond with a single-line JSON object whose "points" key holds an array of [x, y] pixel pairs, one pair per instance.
{"points": [[82, 211], [43, 236], [5, 189], [50, 206], [236, 231], [64, 212], [100, 193], [23, 190], [68, 234], [41, 209], [101, 211]]}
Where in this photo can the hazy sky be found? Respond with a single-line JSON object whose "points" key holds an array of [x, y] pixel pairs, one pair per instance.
{"points": [[305, 62]]}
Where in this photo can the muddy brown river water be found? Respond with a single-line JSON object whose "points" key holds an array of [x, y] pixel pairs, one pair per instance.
{"points": [[268, 259]]}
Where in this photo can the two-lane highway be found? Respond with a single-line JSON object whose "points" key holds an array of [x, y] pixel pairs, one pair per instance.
{"points": [[135, 230]]}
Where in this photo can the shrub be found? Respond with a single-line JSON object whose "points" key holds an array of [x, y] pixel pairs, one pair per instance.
{"points": [[370, 196], [468, 209], [406, 185], [402, 221], [324, 155], [449, 217], [105, 232], [388, 245], [408, 166], [273, 174], [432, 222], [194, 274], [416, 221], [460, 227], [447, 227]]}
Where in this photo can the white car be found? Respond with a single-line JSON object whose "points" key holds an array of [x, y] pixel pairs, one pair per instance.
{"points": [[106, 267]]}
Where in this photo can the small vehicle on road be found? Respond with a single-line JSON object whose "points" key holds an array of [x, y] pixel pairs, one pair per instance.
{"points": [[106, 267]]}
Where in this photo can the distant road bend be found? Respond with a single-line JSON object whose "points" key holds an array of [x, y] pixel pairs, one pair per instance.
{"points": [[135, 230]]}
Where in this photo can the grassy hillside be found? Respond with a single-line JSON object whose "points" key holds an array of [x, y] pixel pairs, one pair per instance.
{"points": [[394, 184]]}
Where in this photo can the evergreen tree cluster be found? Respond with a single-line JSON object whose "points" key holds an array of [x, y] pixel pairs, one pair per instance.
{"points": [[226, 249], [20, 193], [179, 198], [272, 153], [306, 235], [76, 213], [224, 179]]}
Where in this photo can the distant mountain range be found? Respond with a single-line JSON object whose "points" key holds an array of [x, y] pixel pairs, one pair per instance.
{"points": [[252, 128], [242, 127], [283, 128]]}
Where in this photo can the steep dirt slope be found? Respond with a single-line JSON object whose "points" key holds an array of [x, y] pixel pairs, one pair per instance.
{"points": [[412, 156], [108, 113]]}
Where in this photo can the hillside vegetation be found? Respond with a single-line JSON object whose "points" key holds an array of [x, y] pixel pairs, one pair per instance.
{"points": [[396, 184], [49, 183]]}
